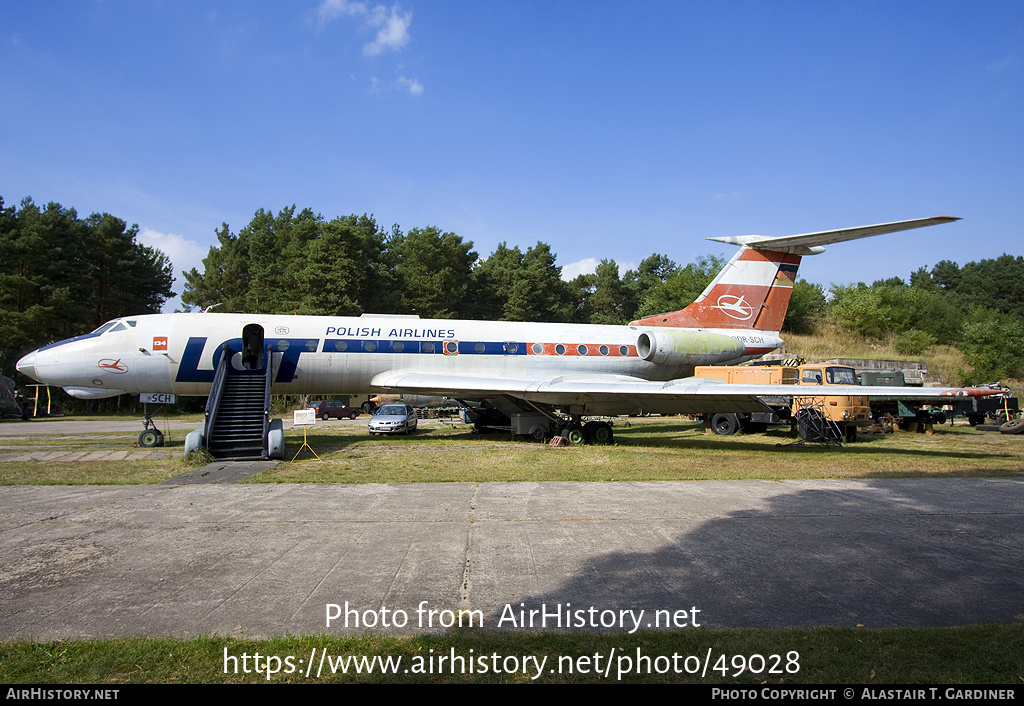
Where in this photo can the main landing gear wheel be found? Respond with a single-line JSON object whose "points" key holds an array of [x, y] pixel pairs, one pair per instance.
{"points": [[150, 438], [575, 436], [725, 424], [598, 433]]}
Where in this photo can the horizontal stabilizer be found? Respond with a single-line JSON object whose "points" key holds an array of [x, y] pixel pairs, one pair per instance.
{"points": [[811, 243]]}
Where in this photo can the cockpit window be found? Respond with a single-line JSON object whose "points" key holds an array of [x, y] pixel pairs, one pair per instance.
{"points": [[115, 325]]}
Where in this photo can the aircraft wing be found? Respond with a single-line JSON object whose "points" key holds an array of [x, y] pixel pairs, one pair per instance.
{"points": [[605, 394]]}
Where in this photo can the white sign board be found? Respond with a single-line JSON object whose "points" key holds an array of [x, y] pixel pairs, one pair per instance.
{"points": [[304, 417], [157, 397]]}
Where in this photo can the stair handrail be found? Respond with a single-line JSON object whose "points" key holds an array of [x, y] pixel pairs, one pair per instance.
{"points": [[268, 357], [216, 389]]}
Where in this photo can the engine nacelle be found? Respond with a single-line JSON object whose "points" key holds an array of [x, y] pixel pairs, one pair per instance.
{"points": [[688, 347]]}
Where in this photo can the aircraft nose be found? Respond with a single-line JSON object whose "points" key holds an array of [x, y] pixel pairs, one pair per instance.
{"points": [[27, 366]]}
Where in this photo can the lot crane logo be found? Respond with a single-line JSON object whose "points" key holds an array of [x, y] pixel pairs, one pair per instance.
{"points": [[113, 366], [734, 307]]}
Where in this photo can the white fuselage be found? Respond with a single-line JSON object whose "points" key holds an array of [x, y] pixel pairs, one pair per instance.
{"points": [[322, 355]]}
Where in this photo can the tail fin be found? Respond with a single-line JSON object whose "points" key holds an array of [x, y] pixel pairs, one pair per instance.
{"points": [[752, 291]]}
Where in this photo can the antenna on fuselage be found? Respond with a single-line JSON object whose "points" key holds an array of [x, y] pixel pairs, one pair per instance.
{"points": [[207, 309]]}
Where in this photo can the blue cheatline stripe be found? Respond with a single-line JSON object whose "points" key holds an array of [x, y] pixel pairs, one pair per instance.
{"points": [[373, 345], [484, 348]]}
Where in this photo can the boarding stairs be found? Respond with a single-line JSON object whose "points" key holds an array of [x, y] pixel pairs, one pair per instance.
{"points": [[238, 412]]}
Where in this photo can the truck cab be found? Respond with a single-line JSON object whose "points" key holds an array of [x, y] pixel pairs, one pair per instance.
{"points": [[841, 409]]}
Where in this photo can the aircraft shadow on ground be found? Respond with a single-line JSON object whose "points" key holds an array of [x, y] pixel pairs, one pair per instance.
{"points": [[791, 443], [875, 554]]}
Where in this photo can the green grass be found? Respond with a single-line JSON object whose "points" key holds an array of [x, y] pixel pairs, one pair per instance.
{"points": [[826, 655], [649, 449], [655, 448], [90, 472]]}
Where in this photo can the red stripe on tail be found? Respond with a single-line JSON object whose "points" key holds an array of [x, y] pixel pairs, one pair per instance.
{"points": [[751, 292]]}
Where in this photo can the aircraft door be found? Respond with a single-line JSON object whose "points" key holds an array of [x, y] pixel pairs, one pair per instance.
{"points": [[253, 349], [151, 365]]}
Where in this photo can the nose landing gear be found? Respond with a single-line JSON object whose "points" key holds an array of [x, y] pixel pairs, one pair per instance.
{"points": [[150, 436]]}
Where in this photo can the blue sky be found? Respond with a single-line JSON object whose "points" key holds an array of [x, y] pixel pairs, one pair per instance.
{"points": [[608, 130]]}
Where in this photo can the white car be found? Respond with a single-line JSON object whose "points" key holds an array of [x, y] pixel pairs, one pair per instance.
{"points": [[393, 419]]}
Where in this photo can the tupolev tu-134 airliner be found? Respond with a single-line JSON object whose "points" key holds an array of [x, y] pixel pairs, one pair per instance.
{"points": [[526, 370]]}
